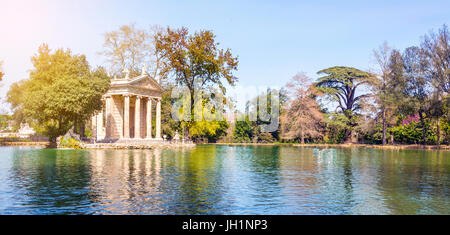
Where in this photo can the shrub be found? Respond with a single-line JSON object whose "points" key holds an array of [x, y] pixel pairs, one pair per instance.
{"points": [[70, 143], [412, 133]]}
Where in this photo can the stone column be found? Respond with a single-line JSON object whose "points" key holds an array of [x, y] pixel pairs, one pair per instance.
{"points": [[158, 119], [126, 117], [100, 125], [149, 118], [108, 129], [137, 118]]}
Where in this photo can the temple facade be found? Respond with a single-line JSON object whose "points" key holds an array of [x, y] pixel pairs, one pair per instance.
{"points": [[127, 112]]}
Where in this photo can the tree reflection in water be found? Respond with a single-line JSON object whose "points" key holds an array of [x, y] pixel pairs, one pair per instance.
{"points": [[214, 179]]}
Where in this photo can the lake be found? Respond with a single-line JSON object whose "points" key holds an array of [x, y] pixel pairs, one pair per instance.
{"points": [[221, 179]]}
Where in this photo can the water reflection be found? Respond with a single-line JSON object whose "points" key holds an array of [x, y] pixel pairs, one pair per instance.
{"points": [[212, 179], [49, 181]]}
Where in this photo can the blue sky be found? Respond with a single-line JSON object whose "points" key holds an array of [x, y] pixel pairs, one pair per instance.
{"points": [[273, 39]]}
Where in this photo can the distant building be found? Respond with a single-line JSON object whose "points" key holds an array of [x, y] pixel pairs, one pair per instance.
{"points": [[24, 132]]}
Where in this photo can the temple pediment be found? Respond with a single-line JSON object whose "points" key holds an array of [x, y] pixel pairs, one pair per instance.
{"points": [[145, 81], [142, 85]]}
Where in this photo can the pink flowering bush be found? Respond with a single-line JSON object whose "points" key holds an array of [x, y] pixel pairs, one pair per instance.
{"points": [[410, 119]]}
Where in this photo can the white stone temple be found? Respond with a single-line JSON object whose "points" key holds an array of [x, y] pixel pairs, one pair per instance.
{"points": [[127, 110]]}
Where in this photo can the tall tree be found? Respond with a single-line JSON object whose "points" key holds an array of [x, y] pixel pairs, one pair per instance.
{"points": [[382, 56], [61, 91], [194, 61], [388, 85], [302, 117], [265, 110], [418, 87], [396, 87], [436, 48], [16, 98], [340, 84], [131, 48]]}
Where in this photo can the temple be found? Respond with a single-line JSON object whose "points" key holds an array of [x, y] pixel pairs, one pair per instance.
{"points": [[127, 110]]}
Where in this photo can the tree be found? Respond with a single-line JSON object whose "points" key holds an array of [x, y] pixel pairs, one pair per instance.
{"points": [[417, 85], [381, 85], [194, 61], [16, 98], [212, 125], [208, 130], [340, 84], [395, 87], [4, 123], [168, 125], [61, 91], [130, 48], [265, 110], [244, 131], [436, 48], [446, 119], [302, 117]]}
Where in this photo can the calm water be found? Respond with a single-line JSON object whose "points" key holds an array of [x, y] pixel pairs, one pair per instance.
{"points": [[224, 180]]}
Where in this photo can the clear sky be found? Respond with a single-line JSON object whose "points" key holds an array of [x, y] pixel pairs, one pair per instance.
{"points": [[273, 39]]}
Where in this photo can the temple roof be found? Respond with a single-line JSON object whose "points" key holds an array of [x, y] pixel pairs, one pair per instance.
{"points": [[141, 85]]}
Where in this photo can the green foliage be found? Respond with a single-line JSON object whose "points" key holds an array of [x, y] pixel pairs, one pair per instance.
{"points": [[375, 136], [244, 131], [412, 133], [194, 61], [69, 143], [446, 130], [340, 85], [60, 90], [336, 131], [88, 132], [168, 125], [210, 130], [16, 98], [208, 123], [4, 122]]}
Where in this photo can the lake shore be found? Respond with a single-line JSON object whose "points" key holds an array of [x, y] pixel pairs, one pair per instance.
{"points": [[409, 146], [180, 145], [156, 145], [107, 145], [24, 143]]}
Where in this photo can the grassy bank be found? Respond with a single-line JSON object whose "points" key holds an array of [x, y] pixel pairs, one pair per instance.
{"points": [[410, 146]]}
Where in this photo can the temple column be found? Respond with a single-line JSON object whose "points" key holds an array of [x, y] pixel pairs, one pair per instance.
{"points": [[158, 119], [149, 118], [108, 100], [137, 118], [126, 117], [99, 125]]}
